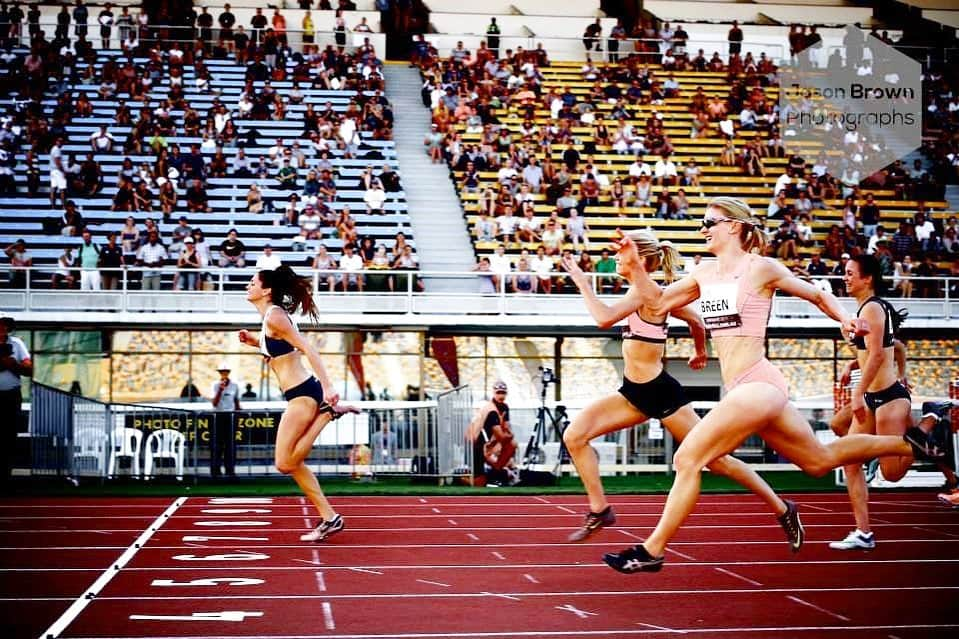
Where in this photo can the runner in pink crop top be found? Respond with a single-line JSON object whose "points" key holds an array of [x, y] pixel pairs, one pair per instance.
{"points": [[728, 306], [644, 330]]}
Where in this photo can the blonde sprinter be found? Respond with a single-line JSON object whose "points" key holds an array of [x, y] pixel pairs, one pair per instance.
{"points": [[648, 391]]}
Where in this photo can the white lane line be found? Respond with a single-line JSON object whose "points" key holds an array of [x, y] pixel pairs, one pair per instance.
{"points": [[306, 524], [629, 534], [820, 609], [320, 582], [732, 574], [663, 628], [436, 510], [499, 556], [452, 522], [315, 554], [369, 572], [820, 508], [422, 501], [83, 600], [689, 564], [496, 594], [305, 511], [328, 615], [603, 593], [542, 499], [707, 632], [881, 521], [302, 500], [531, 578], [567, 510], [433, 583], [308, 563], [681, 554], [940, 532], [472, 536]]}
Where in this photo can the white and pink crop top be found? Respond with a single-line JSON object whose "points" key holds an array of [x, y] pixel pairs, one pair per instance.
{"points": [[728, 308], [644, 331]]}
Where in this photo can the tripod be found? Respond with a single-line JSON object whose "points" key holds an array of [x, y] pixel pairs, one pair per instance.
{"points": [[557, 418]]}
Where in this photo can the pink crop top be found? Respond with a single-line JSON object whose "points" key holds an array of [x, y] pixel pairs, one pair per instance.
{"points": [[728, 308], [640, 329]]}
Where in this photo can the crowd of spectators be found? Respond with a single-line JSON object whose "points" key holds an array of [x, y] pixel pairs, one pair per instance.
{"points": [[67, 69], [469, 91]]}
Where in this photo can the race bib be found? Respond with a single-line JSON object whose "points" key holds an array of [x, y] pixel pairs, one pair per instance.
{"points": [[718, 307]]}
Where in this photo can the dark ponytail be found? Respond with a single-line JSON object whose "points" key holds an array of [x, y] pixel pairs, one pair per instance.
{"points": [[289, 291], [897, 316]]}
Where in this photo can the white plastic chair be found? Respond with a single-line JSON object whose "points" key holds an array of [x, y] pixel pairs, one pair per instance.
{"points": [[126, 443], [164, 444], [90, 444]]}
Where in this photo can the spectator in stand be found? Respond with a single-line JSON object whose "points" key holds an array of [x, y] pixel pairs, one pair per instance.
{"points": [[323, 261], [778, 207], [925, 233], [818, 271], [20, 261], [928, 269], [902, 280], [105, 19], [64, 276], [524, 280], [553, 237], [268, 261], [111, 261], [375, 198], [591, 36], [543, 267], [665, 171], [352, 265], [152, 255], [196, 198], [869, 216], [903, 242], [254, 199], [232, 251], [878, 236], [101, 141], [189, 264], [226, 20], [88, 254]]}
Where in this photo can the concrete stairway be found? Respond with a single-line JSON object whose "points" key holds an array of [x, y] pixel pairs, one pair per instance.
{"points": [[442, 238]]}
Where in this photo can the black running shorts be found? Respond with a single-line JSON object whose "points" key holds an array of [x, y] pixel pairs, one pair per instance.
{"points": [[658, 398]]}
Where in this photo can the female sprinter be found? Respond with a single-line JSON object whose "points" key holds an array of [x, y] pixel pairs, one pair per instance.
{"points": [[881, 361], [648, 391], [735, 294], [312, 401]]}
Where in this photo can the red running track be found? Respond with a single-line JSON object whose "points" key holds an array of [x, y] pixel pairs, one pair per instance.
{"points": [[468, 567]]}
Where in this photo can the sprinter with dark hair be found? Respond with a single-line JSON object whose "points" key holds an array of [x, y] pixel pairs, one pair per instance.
{"points": [[312, 400]]}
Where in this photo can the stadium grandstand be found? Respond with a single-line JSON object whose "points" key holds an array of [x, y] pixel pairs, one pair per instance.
{"points": [[290, 128]]}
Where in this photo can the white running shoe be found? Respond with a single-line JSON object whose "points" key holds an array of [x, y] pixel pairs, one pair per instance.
{"points": [[856, 540], [324, 529]]}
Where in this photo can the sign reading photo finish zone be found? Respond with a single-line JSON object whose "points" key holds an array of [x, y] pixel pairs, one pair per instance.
{"points": [[856, 108]]}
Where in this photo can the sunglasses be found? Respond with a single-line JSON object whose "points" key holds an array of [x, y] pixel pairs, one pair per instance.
{"points": [[710, 222]]}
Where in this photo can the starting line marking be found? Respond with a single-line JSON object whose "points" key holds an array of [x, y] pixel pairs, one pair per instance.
{"points": [[320, 582], [582, 614], [84, 599], [663, 628]]}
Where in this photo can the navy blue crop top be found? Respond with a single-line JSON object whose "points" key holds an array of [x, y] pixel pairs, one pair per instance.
{"points": [[271, 346], [888, 337]]}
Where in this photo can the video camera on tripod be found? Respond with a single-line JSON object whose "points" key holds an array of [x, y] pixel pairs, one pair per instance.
{"points": [[557, 418]]}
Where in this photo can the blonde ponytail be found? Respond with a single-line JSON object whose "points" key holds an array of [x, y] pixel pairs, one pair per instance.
{"points": [[657, 255]]}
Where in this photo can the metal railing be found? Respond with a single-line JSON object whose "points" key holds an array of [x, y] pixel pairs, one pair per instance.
{"points": [[76, 437], [478, 293]]}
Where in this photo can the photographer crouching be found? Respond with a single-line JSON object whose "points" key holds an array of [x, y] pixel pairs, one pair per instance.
{"points": [[494, 442], [14, 363]]}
